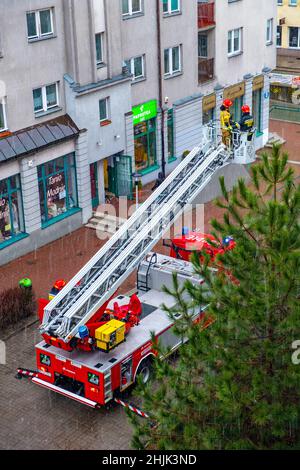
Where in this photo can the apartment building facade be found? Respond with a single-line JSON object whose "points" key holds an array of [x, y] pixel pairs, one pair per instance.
{"points": [[286, 80], [92, 91]]}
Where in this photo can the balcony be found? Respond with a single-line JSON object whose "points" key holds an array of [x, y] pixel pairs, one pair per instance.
{"points": [[206, 15], [205, 69]]}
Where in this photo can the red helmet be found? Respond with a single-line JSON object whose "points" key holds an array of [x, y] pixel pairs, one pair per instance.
{"points": [[246, 108], [227, 103], [60, 284]]}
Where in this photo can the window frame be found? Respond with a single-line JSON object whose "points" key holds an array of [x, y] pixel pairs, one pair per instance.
{"points": [[298, 42], [107, 118], [233, 52], [169, 8], [131, 63], [39, 35], [279, 36], [3, 104], [46, 108], [130, 12], [171, 71], [270, 30], [99, 63]]}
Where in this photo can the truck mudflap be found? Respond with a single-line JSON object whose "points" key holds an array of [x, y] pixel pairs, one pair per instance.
{"points": [[66, 393]]}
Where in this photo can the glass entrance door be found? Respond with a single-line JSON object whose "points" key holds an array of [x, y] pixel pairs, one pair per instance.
{"points": [[94, 184]]}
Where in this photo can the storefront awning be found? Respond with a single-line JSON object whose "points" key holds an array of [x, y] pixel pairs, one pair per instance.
{"points": [[33, 139]]}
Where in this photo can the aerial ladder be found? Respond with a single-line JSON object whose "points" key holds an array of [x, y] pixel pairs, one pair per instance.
{"points": [[100, 278]]}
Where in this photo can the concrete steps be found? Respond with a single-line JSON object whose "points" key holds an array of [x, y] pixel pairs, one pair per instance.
{"points": [[106, 223], [275, 139]]}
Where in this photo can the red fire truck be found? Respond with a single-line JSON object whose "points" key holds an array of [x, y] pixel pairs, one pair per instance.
{"points": [[96, 342], [91, 371]]}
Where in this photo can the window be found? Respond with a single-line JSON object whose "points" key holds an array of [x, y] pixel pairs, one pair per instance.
{"points": [[235, 41], [171, 142], [104, 110], [172, 60], [57, 188], [99, 48], [293, 3], [171, 6], [279, 36], [45, 98], [279, 2], [131, 7], [3, 122], [202, 45], [294, 37], [269, 38], [39, 24], [257, 110], [11, 209], [136, 67], [145, 145]]}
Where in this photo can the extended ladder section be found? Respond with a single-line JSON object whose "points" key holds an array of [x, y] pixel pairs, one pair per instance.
{"points": [[106, 271]]}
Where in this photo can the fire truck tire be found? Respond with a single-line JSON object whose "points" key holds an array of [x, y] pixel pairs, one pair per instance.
{"points": [[144, 370]]}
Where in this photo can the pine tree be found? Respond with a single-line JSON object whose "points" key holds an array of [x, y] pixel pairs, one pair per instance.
{"points": [[234, 385]]}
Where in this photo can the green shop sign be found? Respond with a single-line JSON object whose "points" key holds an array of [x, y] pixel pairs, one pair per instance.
{"points": [[144, 111]]}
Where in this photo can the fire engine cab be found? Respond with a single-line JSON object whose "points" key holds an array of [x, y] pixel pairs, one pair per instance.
{"points": [[96, 342]]}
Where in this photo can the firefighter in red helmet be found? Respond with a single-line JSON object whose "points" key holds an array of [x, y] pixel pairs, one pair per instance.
{"points": [[227, 123], [247, 121]]}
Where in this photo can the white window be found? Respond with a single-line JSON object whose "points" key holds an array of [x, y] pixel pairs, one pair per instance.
{"points": [[3, 122], [235, 41], [45, 98], [270, 31], [172, 60], [99, 48], [131, 7], [39, 24], [136, 67], [104, 110], [171, 6]]}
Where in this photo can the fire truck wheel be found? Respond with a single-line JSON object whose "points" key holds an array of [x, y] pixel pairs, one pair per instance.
{"points": [[144, 370]]}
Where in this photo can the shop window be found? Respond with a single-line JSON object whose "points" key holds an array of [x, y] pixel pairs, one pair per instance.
{"points": [[294, 37], [236, 109], [57, 188], [208, 116], [282, 93], [171, 142], [257, 110], [11, 209], [145, 144]]}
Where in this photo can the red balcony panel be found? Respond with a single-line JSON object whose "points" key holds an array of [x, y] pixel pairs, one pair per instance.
{"points": [[206, 15]]}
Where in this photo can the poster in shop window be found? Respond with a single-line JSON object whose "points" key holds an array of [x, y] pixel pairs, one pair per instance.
{"points": [[5, 225], [56, 194]]}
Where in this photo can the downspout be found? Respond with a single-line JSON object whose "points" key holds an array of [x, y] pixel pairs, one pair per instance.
{"points": [[160, 88]]}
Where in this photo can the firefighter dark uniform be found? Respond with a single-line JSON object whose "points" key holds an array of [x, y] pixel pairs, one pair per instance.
{"points": [[247, 122]]}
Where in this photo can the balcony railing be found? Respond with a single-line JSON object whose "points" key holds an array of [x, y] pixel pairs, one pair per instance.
{"points": [[206, 15], [205, 69]]}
